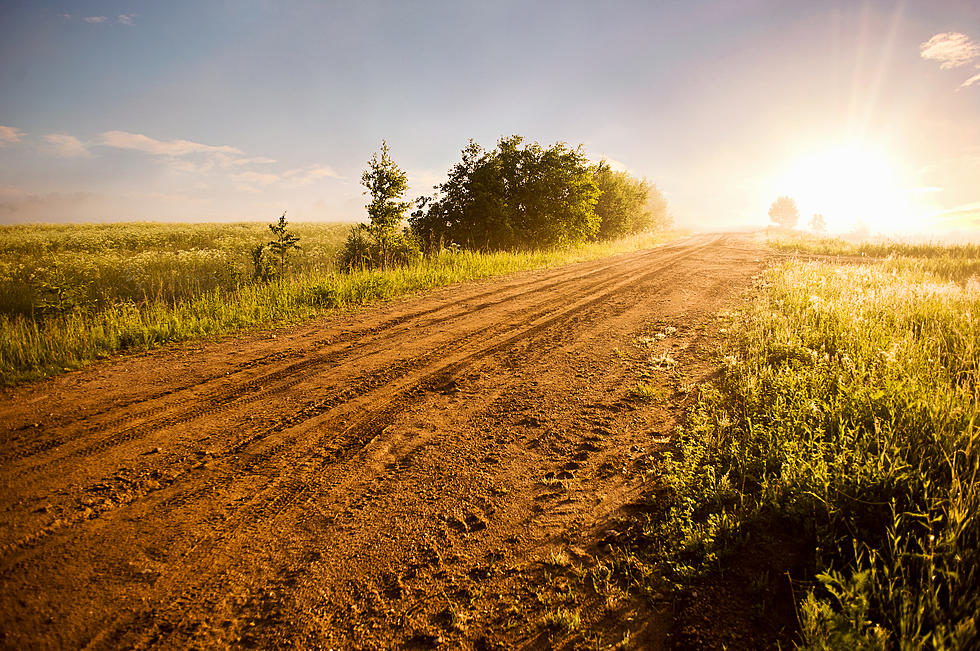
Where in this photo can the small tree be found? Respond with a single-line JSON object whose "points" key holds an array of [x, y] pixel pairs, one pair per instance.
{"points": [[783, 211], [386, 183], [283, 243], [817, 223]]}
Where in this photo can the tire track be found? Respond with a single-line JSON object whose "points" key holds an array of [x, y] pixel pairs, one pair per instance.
{"points": [[283, 492], [384, 377]]}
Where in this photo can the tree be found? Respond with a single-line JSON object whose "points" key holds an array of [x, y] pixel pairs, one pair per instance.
{"points": [[656, 208], [627, 204], [281, 246], [386, 183], [514, 196], [621, 202], [817, 223], [783, 211]]}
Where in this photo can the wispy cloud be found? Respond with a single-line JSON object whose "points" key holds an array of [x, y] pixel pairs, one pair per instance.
{"points": [[94, 19], [972, 80], [127, 19], [304, 176], [965, 214], [251, 181], [10, 135], [65, 146], [172, 148]]}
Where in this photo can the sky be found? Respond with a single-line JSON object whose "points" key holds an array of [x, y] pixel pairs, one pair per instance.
{"points": [[866, 112]]}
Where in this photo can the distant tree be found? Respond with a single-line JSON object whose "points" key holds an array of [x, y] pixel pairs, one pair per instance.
{"points": [[783, 211], [386, 183], [282, 244], [657, 210], [515, 196], [817, 223]]}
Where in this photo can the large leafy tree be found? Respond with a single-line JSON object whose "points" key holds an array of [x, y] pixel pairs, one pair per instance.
{"points": [[784, 212], [386, 183], [514, 196]]}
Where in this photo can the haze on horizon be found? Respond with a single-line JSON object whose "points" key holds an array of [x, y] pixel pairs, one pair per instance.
{"points": [[868, 113]]}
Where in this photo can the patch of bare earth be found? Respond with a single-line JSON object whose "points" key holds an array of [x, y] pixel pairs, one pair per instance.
{"points": [[444, 470]]}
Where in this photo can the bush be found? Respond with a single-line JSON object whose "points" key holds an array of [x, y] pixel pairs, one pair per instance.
{"points": [[363, 251]]}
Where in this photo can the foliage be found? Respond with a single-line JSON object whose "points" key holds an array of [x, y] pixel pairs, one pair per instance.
{"points": [[656, 206], [363, 251], [386, 183], [784, 212], [282, 244], [847, 420], [262, 269], [624, 203], [514, 196]]}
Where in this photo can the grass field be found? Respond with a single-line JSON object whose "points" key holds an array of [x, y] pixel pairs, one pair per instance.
{"points": [[846, 428], [71, 294]]}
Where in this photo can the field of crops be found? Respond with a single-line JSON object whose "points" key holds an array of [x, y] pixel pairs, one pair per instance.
{"points": [[70, 294], [845, 427]]}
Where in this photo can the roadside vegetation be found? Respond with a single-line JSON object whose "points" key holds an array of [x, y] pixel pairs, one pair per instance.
{"points": [[841, 448], [70, 294]]}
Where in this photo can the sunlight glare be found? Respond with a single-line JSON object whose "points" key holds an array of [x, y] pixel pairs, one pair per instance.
{"points": [[851, 187]]}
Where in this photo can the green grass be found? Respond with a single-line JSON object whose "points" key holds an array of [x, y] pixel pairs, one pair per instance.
{"points": [[95, 266], [191, 281], [846, 425]]}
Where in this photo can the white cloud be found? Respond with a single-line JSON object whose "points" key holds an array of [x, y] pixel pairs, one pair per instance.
{"points": [[94, 19], [950, 49], [172, 148], [10, 135], [972, 80], [250, 181], [65, 146], [127, 19]]}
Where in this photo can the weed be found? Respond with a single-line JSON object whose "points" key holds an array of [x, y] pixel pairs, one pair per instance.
{"points": [[646, 392], [562, 619], [559, 558]]}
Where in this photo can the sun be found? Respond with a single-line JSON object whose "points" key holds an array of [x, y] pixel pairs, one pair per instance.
{"points": [[853, 187]]}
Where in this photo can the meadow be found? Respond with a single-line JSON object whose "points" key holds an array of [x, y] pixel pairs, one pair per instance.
{"points": [[71, 294], [844, 428]]}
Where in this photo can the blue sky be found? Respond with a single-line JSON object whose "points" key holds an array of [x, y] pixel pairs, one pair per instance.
{"points": [[238, 110]]}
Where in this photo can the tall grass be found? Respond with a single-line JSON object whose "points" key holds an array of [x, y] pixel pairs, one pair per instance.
{"points": [[46, 344], [877, 249], [99, 265], [847, 421]]}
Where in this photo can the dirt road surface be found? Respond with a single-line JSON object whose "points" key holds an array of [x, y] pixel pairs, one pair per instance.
{"points": [[401, 476]]}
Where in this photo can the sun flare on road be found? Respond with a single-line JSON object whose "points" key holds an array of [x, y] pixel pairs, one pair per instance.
{"points": [[851, 186]]}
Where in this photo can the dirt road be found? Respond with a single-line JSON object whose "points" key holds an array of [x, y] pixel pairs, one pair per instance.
{"points": [[399, 476]]}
